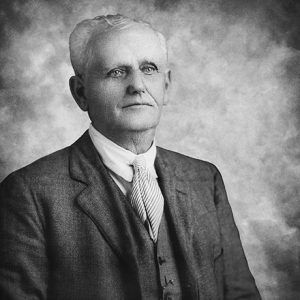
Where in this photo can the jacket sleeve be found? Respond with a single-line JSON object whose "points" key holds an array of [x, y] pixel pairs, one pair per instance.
{"points": [[238, 280], [23, 260]]}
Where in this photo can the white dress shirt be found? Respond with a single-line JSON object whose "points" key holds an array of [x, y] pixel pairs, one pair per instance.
{"points": [[119, 161]]}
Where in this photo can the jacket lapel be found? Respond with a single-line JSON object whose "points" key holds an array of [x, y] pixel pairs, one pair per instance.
{"points": [[103, 202], [177, 202], [179, 213]]}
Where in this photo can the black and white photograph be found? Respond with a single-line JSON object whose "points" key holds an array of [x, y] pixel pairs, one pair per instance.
{"points": [[150, 149]]}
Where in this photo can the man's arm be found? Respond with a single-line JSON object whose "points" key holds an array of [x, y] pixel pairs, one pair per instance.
{"points": [[23, 261], [238, 280]]}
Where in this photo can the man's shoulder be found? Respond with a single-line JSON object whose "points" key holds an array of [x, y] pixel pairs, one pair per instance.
{"points": [[187, 163], [53, 166]]}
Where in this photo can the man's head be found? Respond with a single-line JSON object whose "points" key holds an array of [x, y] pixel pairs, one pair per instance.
{"points": [[121, 73]]}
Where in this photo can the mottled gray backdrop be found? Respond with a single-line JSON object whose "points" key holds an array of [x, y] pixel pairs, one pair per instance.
{"points": [[234, 102]]}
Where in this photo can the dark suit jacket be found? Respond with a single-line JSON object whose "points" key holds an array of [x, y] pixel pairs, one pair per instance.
{"points": [[67, 232]]}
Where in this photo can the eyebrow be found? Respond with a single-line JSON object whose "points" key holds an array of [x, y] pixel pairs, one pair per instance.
{"points": [[148, 62]]}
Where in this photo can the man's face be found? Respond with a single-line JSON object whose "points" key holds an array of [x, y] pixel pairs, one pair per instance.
{"points": [[126, 80]]}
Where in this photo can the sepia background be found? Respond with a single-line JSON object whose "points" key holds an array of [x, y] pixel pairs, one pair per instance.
{"points": [[234, 102]]}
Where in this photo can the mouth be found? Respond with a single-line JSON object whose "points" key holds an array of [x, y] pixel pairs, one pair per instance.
{"points": [[136, 105]]}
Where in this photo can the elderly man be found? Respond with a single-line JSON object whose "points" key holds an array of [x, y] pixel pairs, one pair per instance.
{"points": [[113, 216]]}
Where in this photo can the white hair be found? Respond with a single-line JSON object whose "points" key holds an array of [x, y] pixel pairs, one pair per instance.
{"points": [[81, 36]]}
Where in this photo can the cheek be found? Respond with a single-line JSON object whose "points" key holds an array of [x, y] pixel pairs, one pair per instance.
{"points": [[92, 90], [105, 93], [156, 87]]}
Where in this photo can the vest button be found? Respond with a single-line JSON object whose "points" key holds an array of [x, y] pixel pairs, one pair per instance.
{"points": [[168, 296], [161, 260]]}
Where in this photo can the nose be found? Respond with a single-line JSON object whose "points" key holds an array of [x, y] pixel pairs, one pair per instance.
{"points": [[136, 85]]}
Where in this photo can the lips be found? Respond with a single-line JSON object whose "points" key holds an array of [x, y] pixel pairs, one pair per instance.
{"points": [[136, 104]]}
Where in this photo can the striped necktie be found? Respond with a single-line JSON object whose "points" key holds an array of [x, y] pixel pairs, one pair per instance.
{"points": [[146, 197]]}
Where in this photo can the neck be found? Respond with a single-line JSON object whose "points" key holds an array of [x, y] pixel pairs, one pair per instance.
{"points": [[137, 142]]}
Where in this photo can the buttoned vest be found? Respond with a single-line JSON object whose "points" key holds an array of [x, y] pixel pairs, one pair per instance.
{"points": [[159, 268]]}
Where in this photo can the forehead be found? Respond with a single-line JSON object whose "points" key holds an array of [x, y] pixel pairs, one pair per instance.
{"points": [[136, 43]]}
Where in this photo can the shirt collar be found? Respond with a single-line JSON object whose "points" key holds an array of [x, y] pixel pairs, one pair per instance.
{"points": [[119, 160]]}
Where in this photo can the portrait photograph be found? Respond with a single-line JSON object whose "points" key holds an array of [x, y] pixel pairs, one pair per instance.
{"points": [[150, 149]]}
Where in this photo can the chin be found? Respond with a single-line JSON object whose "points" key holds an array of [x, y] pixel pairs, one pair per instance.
{"points": [[140, 125], [139, 118]]}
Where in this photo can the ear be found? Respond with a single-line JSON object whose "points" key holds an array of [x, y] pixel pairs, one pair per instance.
{"points": [[167, 85], [77, 89]]}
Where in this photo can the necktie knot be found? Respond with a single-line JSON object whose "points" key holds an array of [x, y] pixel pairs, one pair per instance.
{"points": [[139, 163]]}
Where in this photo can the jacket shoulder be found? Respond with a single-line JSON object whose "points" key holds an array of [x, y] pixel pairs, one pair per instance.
{"points": [[184, 162], [52, 166]]}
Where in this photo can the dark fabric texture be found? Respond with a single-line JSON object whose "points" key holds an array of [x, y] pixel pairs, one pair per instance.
{"points": [[67, 232], [167, 263]]}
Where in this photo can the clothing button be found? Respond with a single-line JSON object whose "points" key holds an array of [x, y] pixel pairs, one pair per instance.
{"points": [[168, 281], [171, 281], [168, 296], [161, 260]]}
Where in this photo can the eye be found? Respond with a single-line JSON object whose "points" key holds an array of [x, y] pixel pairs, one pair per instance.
{"points": [[148, 69], [115, 73]]}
